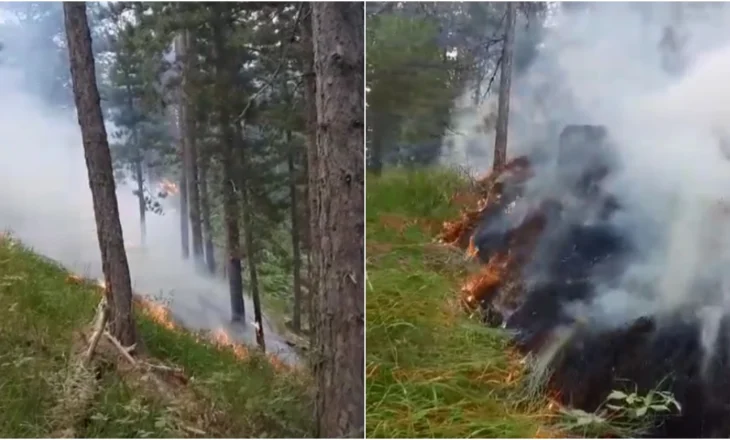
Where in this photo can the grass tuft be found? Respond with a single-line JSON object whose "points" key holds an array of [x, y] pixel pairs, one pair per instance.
{"points": [[431, 371], [42, 315]]}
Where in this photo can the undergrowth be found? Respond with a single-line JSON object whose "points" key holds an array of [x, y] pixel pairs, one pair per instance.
{"points": [[431, 371], [41, 316]]}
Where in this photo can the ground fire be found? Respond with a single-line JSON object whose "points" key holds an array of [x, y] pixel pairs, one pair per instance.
{"points": [[167, 187], [162, 316], [544, 259]]}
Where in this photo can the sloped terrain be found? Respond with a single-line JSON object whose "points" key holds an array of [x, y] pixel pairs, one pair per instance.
{"points": [[181, 384], [551, 273], [431, 370]]}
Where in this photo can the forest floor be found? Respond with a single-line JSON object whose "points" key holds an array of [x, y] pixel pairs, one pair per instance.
{"points": [[431, 370], [180, 384]]}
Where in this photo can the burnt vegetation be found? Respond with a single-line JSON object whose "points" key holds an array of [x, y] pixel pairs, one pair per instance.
{"points": [[222, 123], [543, 259], [606, 280]]}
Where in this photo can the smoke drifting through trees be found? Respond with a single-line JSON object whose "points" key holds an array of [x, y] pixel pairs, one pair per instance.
{"points": [[667, 127], [208, 122], [657, 88]]}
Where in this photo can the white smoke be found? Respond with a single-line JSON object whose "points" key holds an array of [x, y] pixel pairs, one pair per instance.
{"points": [[45, 201], [603, 65]]}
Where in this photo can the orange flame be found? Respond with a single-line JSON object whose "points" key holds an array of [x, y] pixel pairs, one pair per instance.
{"points": [[155, 311], [168, 187], [161, 315], [484, 284], [472, 250]]}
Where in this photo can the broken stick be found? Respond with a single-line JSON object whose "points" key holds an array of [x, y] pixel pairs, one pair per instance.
{"points": [[102, 314], [124, 350]]}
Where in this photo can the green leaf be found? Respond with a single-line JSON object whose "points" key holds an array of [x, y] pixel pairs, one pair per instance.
{"points": [[617, 395]]}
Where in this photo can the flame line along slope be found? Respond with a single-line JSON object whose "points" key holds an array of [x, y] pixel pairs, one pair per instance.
{"points": [[586, 364], [432, 372], [42, 311]]}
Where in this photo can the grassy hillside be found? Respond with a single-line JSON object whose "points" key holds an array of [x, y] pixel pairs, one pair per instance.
{"points": [[431, 371], [182, 386]]}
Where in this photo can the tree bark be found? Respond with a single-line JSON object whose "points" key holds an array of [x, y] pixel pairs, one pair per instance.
{"points": [[505, 83], [139, 177], [205, 212], [138, 173], [191, 146], [100, 171], [184, 153], [339, 253], [296, 257], [310, 102], [250, 246], [230, 205]]}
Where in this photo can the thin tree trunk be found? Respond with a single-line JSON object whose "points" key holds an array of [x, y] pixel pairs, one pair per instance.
{"points": [[185, 155], [376, 150], [230, 205], [191, 146], [250, 246], [139, 177], [100, 171], [138, 174], [296, 257], [205, 211], [310, 102], [196, 226], [505, 83], [339, 251]]}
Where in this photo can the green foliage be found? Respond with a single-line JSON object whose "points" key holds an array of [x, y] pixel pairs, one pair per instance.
{"points": [[131, 87], [622, 414], [408, 79], [431, 372], [40, 315], [421, 56]]}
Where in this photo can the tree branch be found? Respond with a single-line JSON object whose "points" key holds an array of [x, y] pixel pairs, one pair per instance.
{"points": [[270, 81]]}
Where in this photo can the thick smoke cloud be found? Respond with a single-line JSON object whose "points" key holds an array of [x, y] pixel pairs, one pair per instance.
{"points": [[669, 127], [45, 201]]}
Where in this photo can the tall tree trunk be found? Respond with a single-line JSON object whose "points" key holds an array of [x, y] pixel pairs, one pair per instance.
{"points": [[101, 176], [205, 212], [310, 102], [339, 251], [376, 149], [184, 153], [191, 146], [296, 257], [196, 226], [230, 205], [250, 245], [139, 177], [138, 174], [505, 83]]}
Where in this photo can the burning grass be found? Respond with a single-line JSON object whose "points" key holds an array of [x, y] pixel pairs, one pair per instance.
{"points": [[648, 376], [219, 388], [431, 371], [160, 314]]}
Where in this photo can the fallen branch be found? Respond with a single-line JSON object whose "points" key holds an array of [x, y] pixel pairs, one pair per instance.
{"points": [[163, 368], [122, 349], [102, 315]]}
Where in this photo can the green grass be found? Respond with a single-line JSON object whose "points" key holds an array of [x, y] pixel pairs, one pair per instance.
{"points": [[41, 313], [431, 371]]}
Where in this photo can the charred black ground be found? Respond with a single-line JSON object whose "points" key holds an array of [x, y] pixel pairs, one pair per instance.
{"points": [[578, 250]]}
